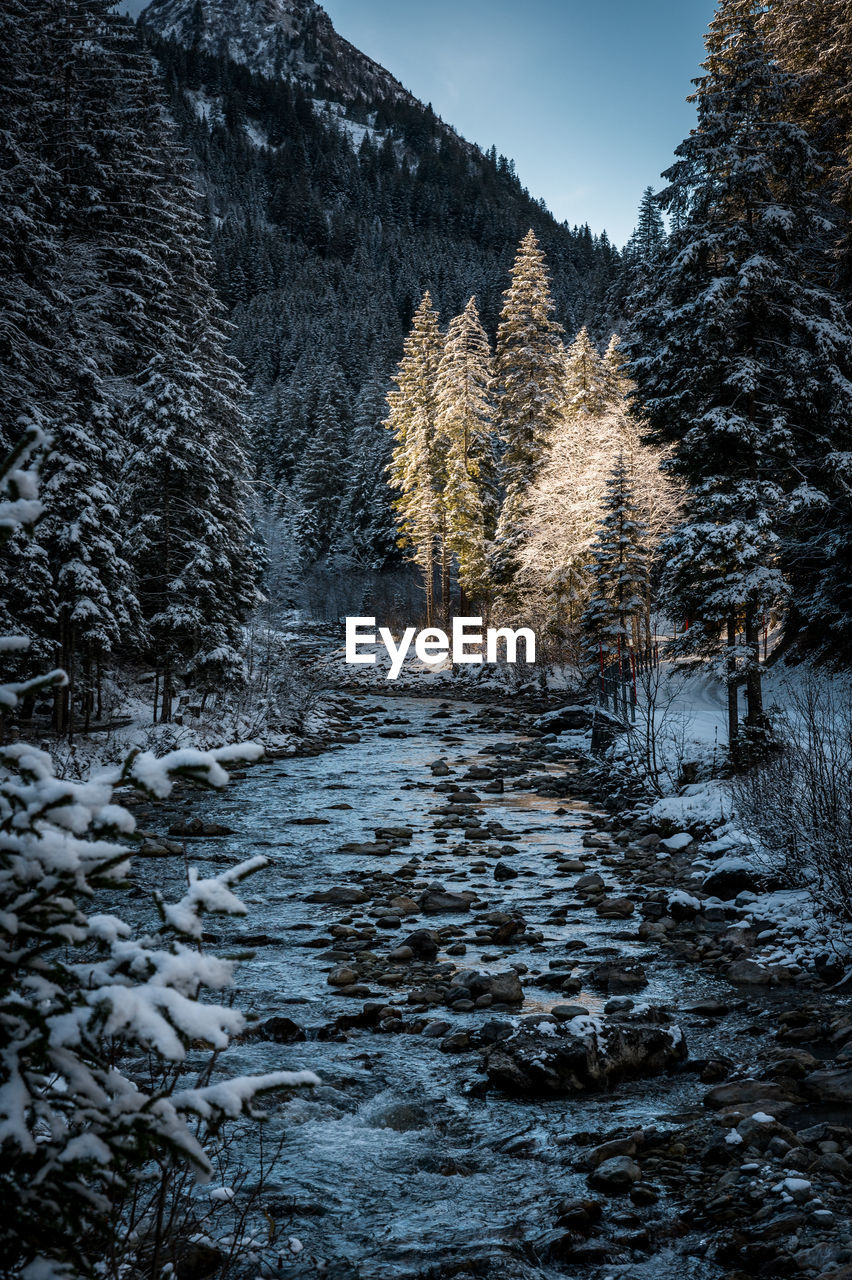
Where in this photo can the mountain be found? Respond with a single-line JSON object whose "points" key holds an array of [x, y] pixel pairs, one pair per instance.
{"points": [[277, 38], [335, 199]]}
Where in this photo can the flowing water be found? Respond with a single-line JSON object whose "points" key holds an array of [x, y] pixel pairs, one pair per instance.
{"points": [[399, 1160]]}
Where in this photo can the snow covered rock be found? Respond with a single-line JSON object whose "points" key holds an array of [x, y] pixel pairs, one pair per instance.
{"points": [[729, 877], [583, 1054], [680, 840]]}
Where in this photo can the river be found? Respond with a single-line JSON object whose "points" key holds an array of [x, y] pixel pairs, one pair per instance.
{"points": [[400, 1164]]}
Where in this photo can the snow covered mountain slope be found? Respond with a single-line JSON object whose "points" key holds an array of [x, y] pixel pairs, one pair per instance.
{"points": [[277, 38]]}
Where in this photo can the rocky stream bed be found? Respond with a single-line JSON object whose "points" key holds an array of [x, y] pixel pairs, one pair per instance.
{"points": [[538, 1057]]}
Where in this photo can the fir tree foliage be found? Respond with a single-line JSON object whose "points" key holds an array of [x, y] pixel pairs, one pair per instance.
{"points": [[738, 348], [417, 466], [529, 383], [464, 424], [88, 1009], [619, 571]]}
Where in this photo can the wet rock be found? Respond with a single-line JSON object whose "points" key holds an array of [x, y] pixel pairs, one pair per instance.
{"points": [[615, 1176], [830, 1086], [458, 1042], [748, 1092], [440, 769], [566, 1012], [401, 954], [404, 905], [388, 922], [643, 1196], [609, 1150], [395, 835], [503, 988], [434, 1030], [423, 944], [558, 1060], [615, 908], [579, 1215], [434, 902], [159, 847], [342, 977], [591, 882], [619, 975], [378, 848], [195, 827], [748, 973], [708, 1008], [714, 1070], [343, 894], [280, 1030], [502, 871]]}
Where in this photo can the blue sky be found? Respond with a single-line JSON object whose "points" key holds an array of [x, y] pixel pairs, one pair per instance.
{"points": [[587, 96]]}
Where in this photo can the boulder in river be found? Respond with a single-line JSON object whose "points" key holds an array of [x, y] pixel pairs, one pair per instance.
{"points": [[344, 894], [281, 1030], [831, 1086], [504, 988], [435, 902], [552, 1060], [619, 975], [195, 827], [422, 943], [615, 1175], [616, 908]]}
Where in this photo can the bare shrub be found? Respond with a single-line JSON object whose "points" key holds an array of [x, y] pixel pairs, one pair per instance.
{"points": [[659, 743], [798, 801]]}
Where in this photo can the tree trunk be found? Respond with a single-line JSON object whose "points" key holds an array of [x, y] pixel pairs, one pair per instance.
{"points": [[429, 576], [166, 698], [446, 605], [755, 717], [733, 711], [88, 694]]}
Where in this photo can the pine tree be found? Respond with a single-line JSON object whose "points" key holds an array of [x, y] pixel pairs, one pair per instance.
{"points": [[416, 468], [366, 531], [619, 388], [649, 237], [88, 1011], [733, 342], [529, 380], [586, 377], [321, 477], [619, 572], [464, 424]]}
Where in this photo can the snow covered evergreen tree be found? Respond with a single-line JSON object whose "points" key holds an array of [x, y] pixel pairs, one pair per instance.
{"points": [[650, 234], [87, 1009], [365, 530], [321, 477], [585, 377], [464, 425], [416, 469], [619, 572], [529, 381], [736, 347]]}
